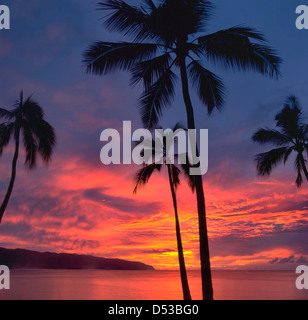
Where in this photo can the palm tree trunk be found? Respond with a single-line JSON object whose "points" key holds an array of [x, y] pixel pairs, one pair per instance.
{"points": [[206, 275], [13, 176], [184, 278]]}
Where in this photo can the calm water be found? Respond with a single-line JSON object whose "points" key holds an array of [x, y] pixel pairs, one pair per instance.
{"points": [[148, 285]]}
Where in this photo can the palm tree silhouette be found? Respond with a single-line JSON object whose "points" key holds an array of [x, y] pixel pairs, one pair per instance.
{"points": [[168, 36], [292, 137], [27, 118], [159, 147]]}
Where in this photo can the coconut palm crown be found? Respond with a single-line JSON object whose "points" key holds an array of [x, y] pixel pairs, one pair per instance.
{"points": [[291, 136], [167, 35]]}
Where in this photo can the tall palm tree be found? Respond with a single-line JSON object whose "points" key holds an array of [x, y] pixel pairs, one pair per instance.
{"points": [[26, 119], [143, 176], [291, 136], [170, 35]]}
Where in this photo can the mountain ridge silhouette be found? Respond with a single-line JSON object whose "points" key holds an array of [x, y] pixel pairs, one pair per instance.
{"points": [[27, 259]]}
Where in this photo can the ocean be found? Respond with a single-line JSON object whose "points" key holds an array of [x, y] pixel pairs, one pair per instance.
{"points": [[148, 285]]}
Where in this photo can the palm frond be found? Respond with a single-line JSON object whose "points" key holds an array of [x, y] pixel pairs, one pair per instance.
{"points": [[234, 49], [156, 98], [198, 13], [287, 154], [267, 161], [151, 70], [264, 136], [6, 114], [105, 57], [238, 34], [41, 134], [30, 144], [6, 131], [303, 132], [299, 168], [19, 102], [209, 87], [289, 119], [264, 60], [292, 102], [47, 140], [126, 19], [143, 175], [31, 110], [150, 4]]}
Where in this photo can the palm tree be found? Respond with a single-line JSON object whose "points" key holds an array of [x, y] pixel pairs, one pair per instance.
{"points": [[143, 176], [26, 118], [171, 35], [292, 137]]}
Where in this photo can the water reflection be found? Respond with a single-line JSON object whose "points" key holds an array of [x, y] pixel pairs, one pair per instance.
{"points": [[147, 285]]}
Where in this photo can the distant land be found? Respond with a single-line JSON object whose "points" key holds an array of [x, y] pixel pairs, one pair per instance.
{"points": [[25, 259]]}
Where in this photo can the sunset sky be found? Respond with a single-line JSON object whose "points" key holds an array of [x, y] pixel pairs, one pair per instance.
{"points": [[78, 205]]}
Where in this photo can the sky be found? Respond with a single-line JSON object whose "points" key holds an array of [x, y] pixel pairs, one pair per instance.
{"points": [[78, 205]]}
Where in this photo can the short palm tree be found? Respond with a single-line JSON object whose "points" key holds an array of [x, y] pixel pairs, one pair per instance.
{"points": [[291, 136], [26, 119], [143, 176], [168, 36]]}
